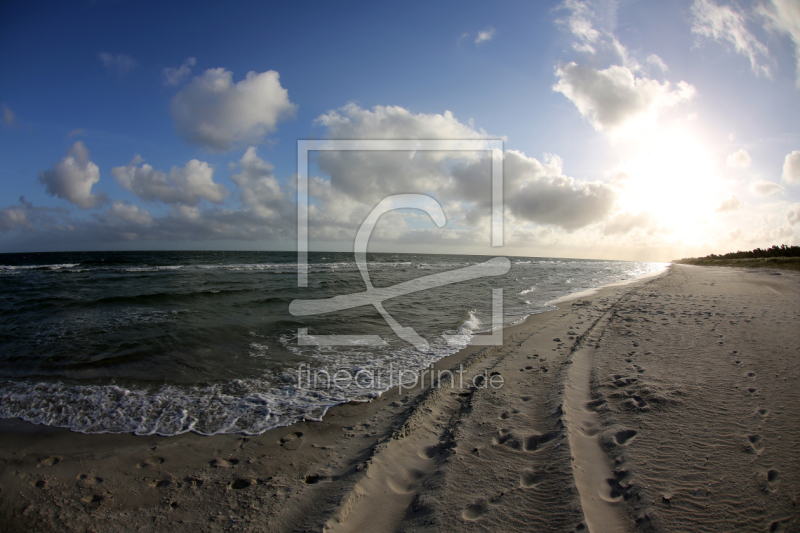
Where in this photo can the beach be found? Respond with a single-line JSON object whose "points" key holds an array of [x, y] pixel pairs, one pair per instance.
{"points": [[668, 404]]}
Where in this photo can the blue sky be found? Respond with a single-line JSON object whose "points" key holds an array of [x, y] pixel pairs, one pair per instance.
{"points": [[637, 129]]}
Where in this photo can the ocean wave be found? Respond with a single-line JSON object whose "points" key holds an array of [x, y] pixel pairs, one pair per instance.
{"points": [[249, 406], [18, 268]]}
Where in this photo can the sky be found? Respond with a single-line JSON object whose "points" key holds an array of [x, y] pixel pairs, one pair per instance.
{"points": [[637, 130]]}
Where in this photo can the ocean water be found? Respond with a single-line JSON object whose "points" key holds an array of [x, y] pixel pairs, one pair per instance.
{"points": [[170, 342]]}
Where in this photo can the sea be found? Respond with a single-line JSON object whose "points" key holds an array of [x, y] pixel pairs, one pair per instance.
{"points": [[171, 342]]}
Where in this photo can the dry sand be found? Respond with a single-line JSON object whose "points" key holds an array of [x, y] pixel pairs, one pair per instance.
{"points": [[670, 404]]}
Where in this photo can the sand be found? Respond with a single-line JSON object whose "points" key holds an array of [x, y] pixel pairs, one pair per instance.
{"points": [[669, 404]]}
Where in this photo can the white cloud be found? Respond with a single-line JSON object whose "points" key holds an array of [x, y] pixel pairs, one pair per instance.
{"points": [[793, 214], [535, 192], [729, 204], [72, 178], [14, 216], [8, 116], [728, 23], [791, 168], [187, 185], [215, 113], [580, 21], [129, 213], [784, 16], [26, 216], [542, 194], [656, 61], [174, 76], [120, 64], [601, 44], [484, 36], [739, 159], [765, 188], [371, 176], [614, 98], [258, 188]]}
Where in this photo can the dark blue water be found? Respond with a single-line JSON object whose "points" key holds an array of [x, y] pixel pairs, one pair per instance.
{"points": [[169, 342]]}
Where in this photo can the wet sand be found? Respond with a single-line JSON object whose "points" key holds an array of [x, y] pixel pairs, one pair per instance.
{"points": [[669, 404]]}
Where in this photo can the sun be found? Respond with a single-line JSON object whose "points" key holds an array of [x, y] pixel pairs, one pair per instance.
{"points": [[672, 177]]}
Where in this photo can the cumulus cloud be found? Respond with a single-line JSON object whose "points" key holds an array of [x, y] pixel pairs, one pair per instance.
{"points": [[601, 44], [614, 98], [174, 76], [120, 64], [484, 36], [183, 185], [72, 178], [25, 216], [369, 176], [15, 216], [656, 61], [535, 192], [258, 188], [739, 159], [729, 204], [784, 16], [579, 21], [793, 214], [765, 188], [542, 194], [213, 112], [791, 168], [617, 98], [128, 213], [729, 24]]}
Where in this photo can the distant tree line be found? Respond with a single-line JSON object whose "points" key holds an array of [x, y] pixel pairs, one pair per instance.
{"points": [[774, 251]]}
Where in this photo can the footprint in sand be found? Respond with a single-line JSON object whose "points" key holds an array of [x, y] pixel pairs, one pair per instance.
{"points": [[589, 429], [529, 478], [475, 510], [41, 484], [753, 444], [621, 438], [152, 461], [224, 463], [429, 452], [636, 402], [239, 484], [86, 481], [508, 438], [595, 405], [313, 479], [94, 498], [536, 442], [617, 490], [762, 413], [405, 484], [292, 441], [49, 461]]}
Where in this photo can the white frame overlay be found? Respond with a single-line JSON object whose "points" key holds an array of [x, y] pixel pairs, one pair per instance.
{"points": [[306, 146]]}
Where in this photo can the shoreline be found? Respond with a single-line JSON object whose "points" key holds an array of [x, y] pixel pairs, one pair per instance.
{"points": [[450, 459], [16, 424]]}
